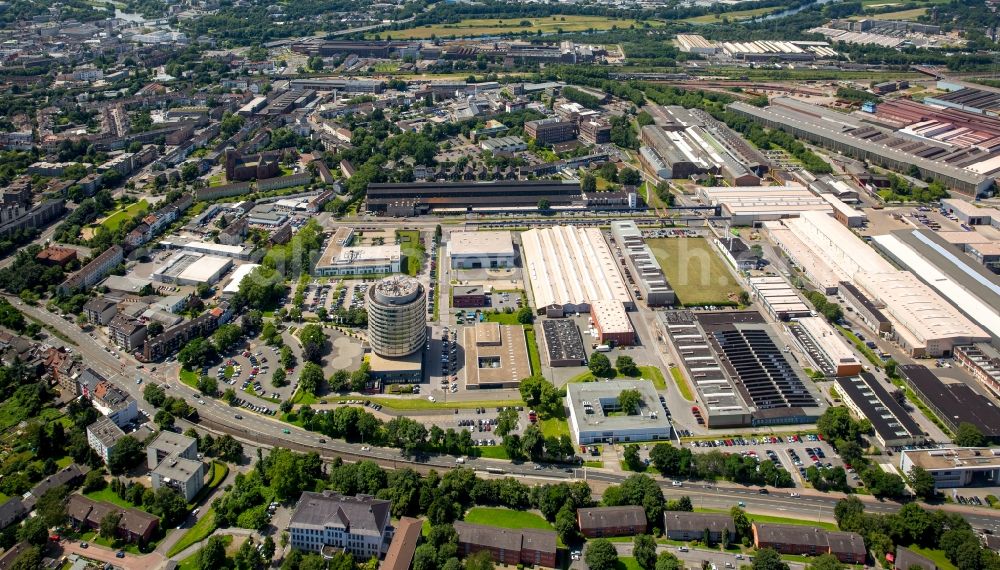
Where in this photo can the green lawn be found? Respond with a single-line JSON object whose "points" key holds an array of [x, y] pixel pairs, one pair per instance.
{"points": [[412, 250], [938, 556], [304, 398], [554, 427], [200, 531], [120, 216], [533, 356], [189, 377], [191, 562], [653, 373], [493, 452], [784, 520], [627, 563], [682, 383], [489, 27], [109, 496], [502, 318], [731, 16], [597, 464], [695, 271], [506, 518]]}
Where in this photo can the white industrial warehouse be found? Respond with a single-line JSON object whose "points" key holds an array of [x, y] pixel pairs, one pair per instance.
{"points": [[924, 323], [569, 268]]}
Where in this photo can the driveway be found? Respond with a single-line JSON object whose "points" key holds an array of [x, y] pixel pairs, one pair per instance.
{"points": [[103, 554]]}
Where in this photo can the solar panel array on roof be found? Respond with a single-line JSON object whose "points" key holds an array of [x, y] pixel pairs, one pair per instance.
{"points": [[760, 367]]}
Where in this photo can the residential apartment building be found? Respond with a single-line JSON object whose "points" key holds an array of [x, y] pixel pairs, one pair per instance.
{"points": [[94, 271], [100, 311], [508, 546], [611, 521], [127, 332], [359, 525], [848, 547], [679, 525], [103, 435]]}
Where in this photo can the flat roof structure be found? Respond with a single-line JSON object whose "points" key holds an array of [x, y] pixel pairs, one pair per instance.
{"points": [[778, 297], [569, 268], [496, 356], [830, 345], [188, 268], [640, 260], [953, 402], [969, 286], [593, 418], [233, 287], [563, 343], [924, 323], [410, 198], [766, 380], [721, 403], [868, 399], [955, 466], [611, 320], [338, 259], [862, 141], [825, 276], [750, 204], [481, 249]]}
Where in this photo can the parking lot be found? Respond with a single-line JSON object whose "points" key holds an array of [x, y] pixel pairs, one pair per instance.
{"points": [[794, 453]]}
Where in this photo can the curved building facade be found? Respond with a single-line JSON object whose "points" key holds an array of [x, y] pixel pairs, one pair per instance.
{"points": [[397, 316]]}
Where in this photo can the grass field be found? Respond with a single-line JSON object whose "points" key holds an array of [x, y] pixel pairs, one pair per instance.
{"points": [[777, 520], [627, 563], [108, 496], [682, 383], [494, 27], [937, 556], [695, 271], [119, 216], [493, 452], [554, 427], [412, 250], [533, 356], [901, 15], [192, 563], [655, 375], [200, 531], [506, 518], [732, 16]]}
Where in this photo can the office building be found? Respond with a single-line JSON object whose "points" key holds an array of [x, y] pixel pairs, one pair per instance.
{"points": [[360, 525], [551, 130], [955, 467], [593, 416], [475, 250], [397, 316], [338, 260], [496, 356]]}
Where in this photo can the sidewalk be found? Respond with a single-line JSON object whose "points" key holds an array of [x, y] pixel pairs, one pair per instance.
{"points": [[175, 535]]}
